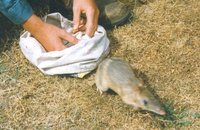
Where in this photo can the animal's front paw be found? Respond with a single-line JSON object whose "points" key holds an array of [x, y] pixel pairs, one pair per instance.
{"points": [[99, 90], [136, 108]]}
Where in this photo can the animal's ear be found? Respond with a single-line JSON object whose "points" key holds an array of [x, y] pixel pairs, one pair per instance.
{"points": [[141, 83], [127, 100], [137, 88]]}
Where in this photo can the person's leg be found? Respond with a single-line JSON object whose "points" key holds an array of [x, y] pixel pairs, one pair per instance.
{"points": [[112, 12]]}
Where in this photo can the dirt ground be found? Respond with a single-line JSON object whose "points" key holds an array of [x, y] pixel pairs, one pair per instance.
{"points": [[162, 44]]}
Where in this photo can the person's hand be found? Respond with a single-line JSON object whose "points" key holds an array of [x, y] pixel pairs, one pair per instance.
{"points": [[89, 8], [50, 36]]}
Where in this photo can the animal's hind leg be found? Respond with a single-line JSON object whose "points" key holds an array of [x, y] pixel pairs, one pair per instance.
{"points": [[101, 86]]}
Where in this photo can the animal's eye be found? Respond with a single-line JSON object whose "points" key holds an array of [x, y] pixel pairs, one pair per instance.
{"points": [[145, 102]]}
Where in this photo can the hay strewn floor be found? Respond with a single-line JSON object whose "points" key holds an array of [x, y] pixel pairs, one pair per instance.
{"points": [[161, 43]]}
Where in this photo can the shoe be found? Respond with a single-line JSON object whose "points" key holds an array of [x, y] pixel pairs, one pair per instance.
{"points": [[112, 12]]}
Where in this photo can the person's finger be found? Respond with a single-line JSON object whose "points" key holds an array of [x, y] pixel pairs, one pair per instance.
{"points": [[81, 26], [82, 21], [61, 47], [76, 17], [92, 21], [69, 38]]}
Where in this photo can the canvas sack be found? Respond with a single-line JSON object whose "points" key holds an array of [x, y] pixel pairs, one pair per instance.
{"points": [[76, 60]]}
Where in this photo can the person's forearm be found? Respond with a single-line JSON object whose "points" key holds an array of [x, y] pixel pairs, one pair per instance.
{"points": [[18, 11], [33, 24]]}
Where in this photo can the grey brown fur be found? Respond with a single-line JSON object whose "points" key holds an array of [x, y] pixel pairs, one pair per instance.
{"points": [[116, 74]]}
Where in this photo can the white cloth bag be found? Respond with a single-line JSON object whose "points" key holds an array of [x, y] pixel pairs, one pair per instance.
{"points": [[76, 60]]}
